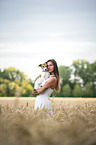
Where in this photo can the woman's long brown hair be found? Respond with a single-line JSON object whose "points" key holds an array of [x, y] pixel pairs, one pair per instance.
{"points": [[56, 73]]}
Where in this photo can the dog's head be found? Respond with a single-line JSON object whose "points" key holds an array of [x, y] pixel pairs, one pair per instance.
{"points": [[43, 66]]}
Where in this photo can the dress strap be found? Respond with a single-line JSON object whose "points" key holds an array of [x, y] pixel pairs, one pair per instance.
{"points": [[52, 75]]}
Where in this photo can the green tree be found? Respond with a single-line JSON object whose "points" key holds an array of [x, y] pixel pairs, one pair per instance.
{"points": [[81, 70], [93, 77], [77, 91], [88, 92], [14, 83], [3, 90], [19, 91], [67, 90], [65, 75], [12, 74], [29, 89], [12, 88], [86, 71], [16, 74]]}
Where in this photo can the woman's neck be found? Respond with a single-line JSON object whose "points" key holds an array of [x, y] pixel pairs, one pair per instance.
{"points": [[52, 73]]}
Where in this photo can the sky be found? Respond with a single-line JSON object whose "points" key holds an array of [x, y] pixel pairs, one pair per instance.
{"points": [[33, 31]]}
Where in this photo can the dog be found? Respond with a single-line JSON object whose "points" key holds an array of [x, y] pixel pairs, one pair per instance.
{"points": [[42, 79]]}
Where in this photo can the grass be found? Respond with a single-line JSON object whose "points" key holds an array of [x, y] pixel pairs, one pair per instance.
{"points": [[72, 123]]}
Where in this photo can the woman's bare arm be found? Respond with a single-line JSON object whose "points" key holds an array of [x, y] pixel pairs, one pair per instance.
{"points": [[51, 83]]}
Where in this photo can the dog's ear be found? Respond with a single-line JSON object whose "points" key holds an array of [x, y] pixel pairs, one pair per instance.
{"points": [[40, 65]]}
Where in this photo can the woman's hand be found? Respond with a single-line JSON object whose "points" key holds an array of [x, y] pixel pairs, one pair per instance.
{"points": [[35, 92]]}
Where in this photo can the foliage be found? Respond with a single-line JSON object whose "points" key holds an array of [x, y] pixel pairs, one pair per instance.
{"points": [[77, 91], [88, 90], [67, 90], [86, 71], [65, 75], [14, 83], [81, 78]]}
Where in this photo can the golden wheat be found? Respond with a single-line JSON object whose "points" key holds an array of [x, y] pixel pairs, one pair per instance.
{"points": [[72, 123]]}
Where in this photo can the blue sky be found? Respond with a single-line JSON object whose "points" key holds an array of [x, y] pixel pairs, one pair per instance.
{"points": [[33, 31]]}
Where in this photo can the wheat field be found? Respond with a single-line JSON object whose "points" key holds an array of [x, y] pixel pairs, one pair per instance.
{"points": [[73, 122]]}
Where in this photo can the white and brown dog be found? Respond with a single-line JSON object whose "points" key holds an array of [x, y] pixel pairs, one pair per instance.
{"points": [[41, 79]]}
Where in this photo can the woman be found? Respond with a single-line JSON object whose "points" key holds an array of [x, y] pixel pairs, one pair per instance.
{"points": [[43, 94]]}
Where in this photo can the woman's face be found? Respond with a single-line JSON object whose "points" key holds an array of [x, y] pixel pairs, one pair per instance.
{"points": [[50, 67]]}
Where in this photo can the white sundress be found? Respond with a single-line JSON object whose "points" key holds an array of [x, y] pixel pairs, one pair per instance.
{"points": [[42, 100]]}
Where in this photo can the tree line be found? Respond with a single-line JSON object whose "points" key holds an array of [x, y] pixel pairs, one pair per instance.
{"points": [[77, 80], [15, 83]]}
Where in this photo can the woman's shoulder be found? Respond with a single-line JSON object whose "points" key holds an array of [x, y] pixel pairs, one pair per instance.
{"points": [[53, 78], [53, 82]]}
